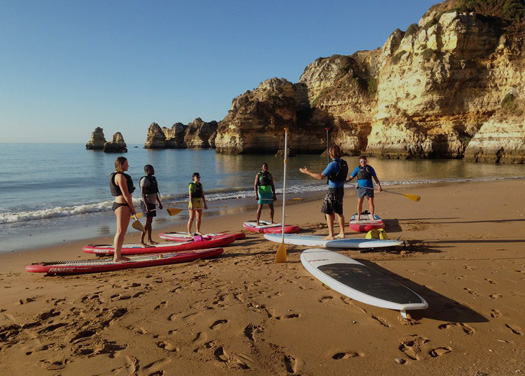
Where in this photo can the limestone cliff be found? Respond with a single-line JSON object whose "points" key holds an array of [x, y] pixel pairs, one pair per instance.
{"points": [[256, 121], [117, 145], [197, 134], [97, 140], [155, 139], [432, 91]]}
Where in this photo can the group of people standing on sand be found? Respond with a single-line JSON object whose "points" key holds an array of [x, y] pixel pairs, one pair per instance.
{"points": [[121, 187], [336, 172]]}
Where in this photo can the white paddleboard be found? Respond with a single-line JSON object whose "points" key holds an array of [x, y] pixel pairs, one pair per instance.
{"points": [[318, 241], [360, 282]]}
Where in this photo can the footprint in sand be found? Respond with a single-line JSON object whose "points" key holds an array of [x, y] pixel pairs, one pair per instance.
{"points": [[161, 305], [292, 364], [250, 330], [495, 296], [514, 330], [466, 328], [346, 355], [471, 292], [325, 298], [490, 281], [434, 353], [290, 316], [156, 368], [218, 323], [168, 346], [412, 347], [495, 313]]}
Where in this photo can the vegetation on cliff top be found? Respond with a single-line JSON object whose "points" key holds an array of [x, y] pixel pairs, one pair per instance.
{"points": [[508, 10]]}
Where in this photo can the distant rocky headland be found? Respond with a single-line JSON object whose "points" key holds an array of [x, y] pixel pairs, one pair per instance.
{"points": [[450, 86]]}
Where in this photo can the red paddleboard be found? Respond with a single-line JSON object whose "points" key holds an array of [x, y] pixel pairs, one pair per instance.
{"points": [[106, 265], [184, 236], [270, 228], [134, 249], [366, 223]]}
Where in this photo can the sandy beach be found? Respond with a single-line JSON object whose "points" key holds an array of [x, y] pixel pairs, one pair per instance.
{"points": [[243, 314]]}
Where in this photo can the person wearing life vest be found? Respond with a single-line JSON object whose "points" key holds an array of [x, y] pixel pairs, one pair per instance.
{"points": [[121, 187], [264, 191], [336, 172], [197, 202], [149, 190], [365, 186]]}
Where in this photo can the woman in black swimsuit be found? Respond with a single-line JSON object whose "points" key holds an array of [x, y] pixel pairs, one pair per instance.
{"points": [[121, 186]]}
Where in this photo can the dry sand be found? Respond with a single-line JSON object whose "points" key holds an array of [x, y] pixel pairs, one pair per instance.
{"points": [[243, 314]]}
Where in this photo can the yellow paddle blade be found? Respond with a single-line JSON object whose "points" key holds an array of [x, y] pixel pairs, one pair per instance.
{"points": [[137, 225], [173, 211], [138, 215], [280, 256], [415, 198]]}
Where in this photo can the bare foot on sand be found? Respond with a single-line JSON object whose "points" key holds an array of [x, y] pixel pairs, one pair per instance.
{"points": [[143, 245], [329, 237], [152, 242], [340, 236]]}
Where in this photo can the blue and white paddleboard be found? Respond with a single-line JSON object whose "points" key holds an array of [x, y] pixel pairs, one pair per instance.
{"points": [[318, 241], [360, 282]]}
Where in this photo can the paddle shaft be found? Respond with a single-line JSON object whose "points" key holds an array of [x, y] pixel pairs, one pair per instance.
{"points": [[409, 196], [284, 173]]}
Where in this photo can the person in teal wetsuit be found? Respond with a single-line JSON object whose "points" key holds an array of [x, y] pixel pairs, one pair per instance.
{"points": [[264, 191]]}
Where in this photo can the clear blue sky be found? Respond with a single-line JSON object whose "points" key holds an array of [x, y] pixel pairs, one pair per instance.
{"points": [[68, 66]]}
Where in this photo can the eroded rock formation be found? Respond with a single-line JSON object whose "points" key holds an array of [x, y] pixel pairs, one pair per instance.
{"points": [[197, 134], [117, 145], [97, 140], [256, 121]]}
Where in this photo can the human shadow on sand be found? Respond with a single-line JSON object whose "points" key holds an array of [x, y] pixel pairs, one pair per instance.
{"points": [[439, 308]]}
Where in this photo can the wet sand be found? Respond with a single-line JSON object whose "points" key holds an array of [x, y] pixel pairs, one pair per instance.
{"points": [[243, 314]]}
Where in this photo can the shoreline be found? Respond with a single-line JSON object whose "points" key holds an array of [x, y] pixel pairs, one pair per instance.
{"points": [[102, 224], [242, 313]]}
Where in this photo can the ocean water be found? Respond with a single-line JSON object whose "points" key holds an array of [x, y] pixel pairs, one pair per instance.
{"points": [[52, 193]]}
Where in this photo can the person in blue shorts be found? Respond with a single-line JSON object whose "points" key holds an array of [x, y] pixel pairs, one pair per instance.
{"points": [[365, 186], [336, 172], [264, 191]]}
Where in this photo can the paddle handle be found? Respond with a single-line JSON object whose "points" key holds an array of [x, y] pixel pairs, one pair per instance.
{"points": [[284, 174]]}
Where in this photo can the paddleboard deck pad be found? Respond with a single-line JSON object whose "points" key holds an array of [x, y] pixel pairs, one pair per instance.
{"points": [[184, 236], [270, 228], [134, 249], [318, 241], [360, 282], [106, 265], [366, 223]]}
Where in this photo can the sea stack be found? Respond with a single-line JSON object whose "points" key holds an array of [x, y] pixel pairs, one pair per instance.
{"points": [[117, 145], [97, 140]]}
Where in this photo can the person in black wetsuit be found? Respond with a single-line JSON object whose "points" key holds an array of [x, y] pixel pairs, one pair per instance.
{"points": [[121, 186], [149, 190]]}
